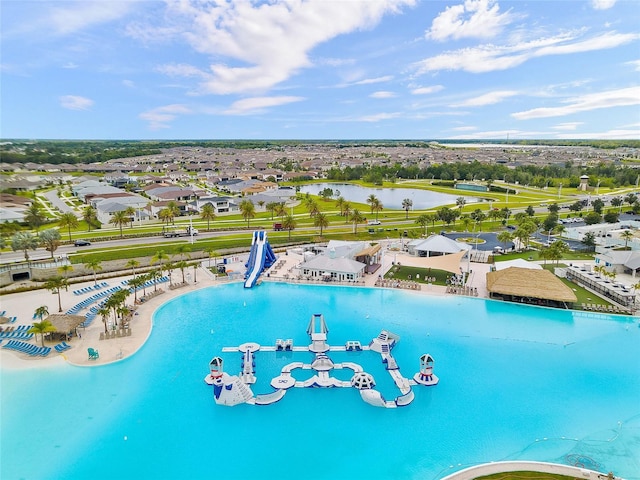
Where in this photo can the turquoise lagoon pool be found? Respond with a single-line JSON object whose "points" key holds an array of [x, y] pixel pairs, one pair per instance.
{"points": [[516, 382]]}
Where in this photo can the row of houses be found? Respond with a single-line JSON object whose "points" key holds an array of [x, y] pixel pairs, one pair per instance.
{"points": [[148, 196]]}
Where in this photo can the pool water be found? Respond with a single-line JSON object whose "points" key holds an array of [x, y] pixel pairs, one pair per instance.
{"points": [[516, 382]]}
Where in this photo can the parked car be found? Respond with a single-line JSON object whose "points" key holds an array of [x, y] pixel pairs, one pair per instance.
{"points": [[82, 243]]}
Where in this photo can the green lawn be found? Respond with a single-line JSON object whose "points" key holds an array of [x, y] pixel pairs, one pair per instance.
{"points": [[534, 255], [525, 476], [417, 274]]}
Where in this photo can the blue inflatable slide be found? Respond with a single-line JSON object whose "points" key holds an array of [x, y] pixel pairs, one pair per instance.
{"points": [[261, 256]]}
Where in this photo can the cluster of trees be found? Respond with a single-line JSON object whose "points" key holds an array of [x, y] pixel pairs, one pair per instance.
{"points": [[547, 176], [68, 151], [24, 241]]}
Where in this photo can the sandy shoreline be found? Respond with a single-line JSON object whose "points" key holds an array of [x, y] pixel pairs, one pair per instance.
{"points": [[23, 306]]}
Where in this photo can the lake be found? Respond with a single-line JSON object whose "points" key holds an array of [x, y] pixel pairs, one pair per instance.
{"points": [[390, 197]]}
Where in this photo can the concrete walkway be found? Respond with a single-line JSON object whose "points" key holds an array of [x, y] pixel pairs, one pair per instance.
{"points": [[503, 467]]}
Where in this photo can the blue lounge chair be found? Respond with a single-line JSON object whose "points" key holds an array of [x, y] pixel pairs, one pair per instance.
{"points": [[93, 354]]}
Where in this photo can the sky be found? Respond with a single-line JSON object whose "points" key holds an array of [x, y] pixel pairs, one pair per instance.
{"points": [[320, 69]]}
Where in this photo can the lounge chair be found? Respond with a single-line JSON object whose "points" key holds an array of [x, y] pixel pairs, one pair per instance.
{"points": [[93, 354]]}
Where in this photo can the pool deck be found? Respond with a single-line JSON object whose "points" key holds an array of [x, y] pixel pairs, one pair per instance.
{"points": [[23, 305]]}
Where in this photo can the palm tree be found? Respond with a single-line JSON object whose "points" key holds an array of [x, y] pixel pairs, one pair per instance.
{"points": [[281, 210], [119, 219], [423, 220], [41, 311], [40, 328], [165, 216], [371, 200], [289, 223], [504, 237], [340, 204], [183, 250], [34, 216], [160, 257], [346, 211], [407, 203], [356, 218], [248, 210], [55, 284], [50, 239], [155, 275], [321, 221], [133, 263], [465, 222], [626, 236], [131, 213], [95, 265], [89, 215], [135, 283], [208, 213], [24, 241], [377, 207], [271, 208], [174, 209], [64, 270], [68, 220], [104, 311], [146, 277], [182, 265], [211, 252]]}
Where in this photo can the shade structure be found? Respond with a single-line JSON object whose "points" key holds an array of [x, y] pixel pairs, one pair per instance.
{"points": [[448, 263], [65, 323], [528, 283]]}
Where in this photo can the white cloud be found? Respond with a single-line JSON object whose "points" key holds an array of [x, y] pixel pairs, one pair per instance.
{"points": [[567, 126], [602, 4], [378, 117], [74, 102], [635, 64], [383, 94], [82, 14], [464, 129], [472, 19], [427, 90], [613, 98], [369, 81], [181, 70], [159, 117], [488, 58], [496, 134], [128, 83], [268, 42], [487, 99], [258, 104], [617, 134]]}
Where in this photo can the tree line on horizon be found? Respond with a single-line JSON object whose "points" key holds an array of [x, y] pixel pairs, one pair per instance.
{"points": [[91, 151]]}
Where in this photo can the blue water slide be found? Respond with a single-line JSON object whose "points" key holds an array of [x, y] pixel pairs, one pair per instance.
{"points": [[252, 252], [261, 256]]}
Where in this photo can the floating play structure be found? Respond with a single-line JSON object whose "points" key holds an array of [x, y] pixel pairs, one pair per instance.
{"points": [[232, 390], [261, 256]]}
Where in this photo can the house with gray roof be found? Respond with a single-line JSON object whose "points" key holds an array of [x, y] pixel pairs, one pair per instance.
{"points": [[341, 261]]}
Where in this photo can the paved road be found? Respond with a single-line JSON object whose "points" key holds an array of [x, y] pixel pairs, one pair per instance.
{"points": [[56, 201], [490, 240]]}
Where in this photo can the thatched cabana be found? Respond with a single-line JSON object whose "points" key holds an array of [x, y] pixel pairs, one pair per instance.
{"points": [[540, 287], [65, 324]]}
